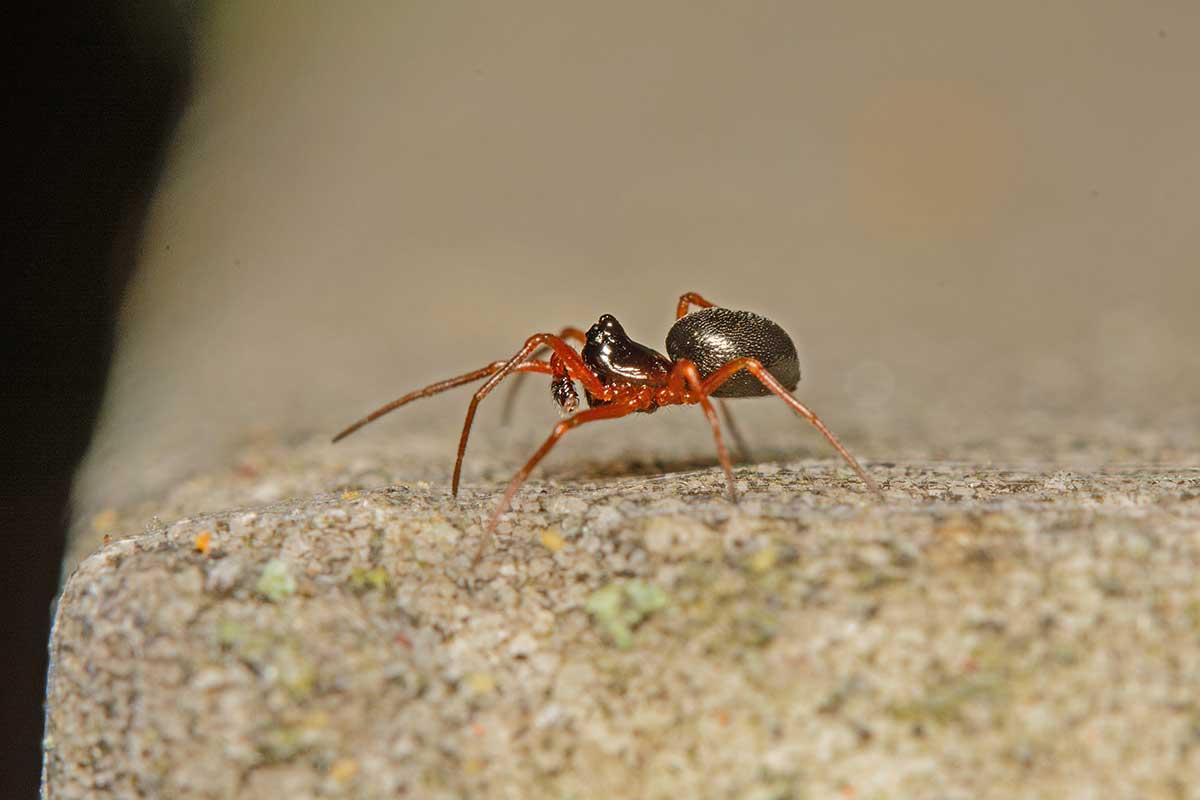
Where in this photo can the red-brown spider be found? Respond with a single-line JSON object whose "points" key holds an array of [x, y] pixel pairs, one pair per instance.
{"points": [[715, 352]]}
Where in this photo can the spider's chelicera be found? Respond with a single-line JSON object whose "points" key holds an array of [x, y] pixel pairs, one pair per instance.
{"points": [[714, 352]]}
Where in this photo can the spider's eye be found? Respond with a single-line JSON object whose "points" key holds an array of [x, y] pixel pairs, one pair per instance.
{"points": [[605, 329], [610, 325]]}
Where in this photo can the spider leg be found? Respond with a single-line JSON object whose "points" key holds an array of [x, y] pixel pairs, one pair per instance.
{"points": [[590, 415], [735, 432], [685, 372], [510, 401], [441, 386], [571, 360], [690, 299], [754, 367], [681, 310]]}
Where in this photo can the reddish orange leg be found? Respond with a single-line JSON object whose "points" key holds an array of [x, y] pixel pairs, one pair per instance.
{"points": [[590, 415], [685, 373], [510, 401], [571, 361], [441, 386], [681, 309], [713, 381], [690, 299], [735, 432], [560, 429]]}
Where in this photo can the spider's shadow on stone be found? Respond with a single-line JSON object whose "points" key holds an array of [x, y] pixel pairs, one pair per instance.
{"points": [[643, 466]]}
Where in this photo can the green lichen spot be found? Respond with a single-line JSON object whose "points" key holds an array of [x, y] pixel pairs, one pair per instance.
{"points": [[281, 743], [764, 560], [293, 671], [275, 582], [947, 703], [480, 682], [230, 633], [1193, 615], [375, 578], [621, 606]]}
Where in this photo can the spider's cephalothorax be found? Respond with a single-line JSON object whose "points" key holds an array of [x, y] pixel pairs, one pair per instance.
{"points": [[714, 352], [618, 360]]}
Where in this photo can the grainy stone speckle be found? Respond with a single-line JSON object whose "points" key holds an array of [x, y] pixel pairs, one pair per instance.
{"points": [[985, 631]]}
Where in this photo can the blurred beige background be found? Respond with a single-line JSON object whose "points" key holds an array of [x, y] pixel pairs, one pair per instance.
{"points": [[978, 221]]}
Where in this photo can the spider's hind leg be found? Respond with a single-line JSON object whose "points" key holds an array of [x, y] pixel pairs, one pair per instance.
{"points": [[735, 432], [755, 368], [685, 374]]}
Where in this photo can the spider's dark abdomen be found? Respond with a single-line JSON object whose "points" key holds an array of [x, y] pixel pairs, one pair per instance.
{"points": [[712, 337]]}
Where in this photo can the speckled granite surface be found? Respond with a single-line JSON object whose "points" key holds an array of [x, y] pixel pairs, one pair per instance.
{"points": [[983, 632]]}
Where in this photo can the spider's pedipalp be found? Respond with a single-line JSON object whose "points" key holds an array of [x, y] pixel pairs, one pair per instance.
{"points": [[510, 400]]}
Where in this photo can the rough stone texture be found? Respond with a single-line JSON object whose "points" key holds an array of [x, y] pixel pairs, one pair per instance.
{"points": [[985, 632]]}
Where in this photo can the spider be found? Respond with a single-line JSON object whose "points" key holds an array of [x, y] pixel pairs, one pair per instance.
{"points": [[714, 352]]}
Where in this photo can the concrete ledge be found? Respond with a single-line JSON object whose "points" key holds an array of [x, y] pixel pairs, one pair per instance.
{"points": [[986, 632]]}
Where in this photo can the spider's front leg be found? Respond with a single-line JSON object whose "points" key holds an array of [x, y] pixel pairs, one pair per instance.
{"points": [[617, 409], [542, 367], [570, 362]]}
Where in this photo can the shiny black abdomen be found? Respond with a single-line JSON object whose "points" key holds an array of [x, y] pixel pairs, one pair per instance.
{"points": [[712, 337]]}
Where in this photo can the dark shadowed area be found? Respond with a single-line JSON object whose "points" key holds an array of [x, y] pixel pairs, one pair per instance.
{"points": [[92, 94]]}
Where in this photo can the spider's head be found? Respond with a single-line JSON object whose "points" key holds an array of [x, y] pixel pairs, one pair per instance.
{"points": [[613, 356]]}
